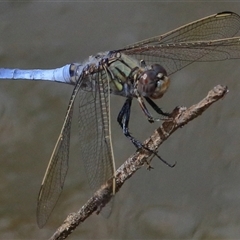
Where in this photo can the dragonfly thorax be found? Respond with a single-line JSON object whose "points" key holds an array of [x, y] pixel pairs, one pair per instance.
{"points": [[153, 82]]}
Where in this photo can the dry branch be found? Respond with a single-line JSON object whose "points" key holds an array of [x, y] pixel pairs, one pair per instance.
{"points": [[179, 117]]}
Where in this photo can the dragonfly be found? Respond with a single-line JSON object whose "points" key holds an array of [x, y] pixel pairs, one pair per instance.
{"points": [[139, 71]]}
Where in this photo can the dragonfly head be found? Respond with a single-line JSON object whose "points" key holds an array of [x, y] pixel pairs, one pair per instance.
{"points": [[153, 82]]}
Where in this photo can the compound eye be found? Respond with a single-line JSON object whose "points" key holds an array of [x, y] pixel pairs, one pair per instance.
{"points": [[159, 69], [153, 82]]}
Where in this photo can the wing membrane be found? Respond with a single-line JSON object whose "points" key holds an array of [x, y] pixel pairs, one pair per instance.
{"points": [[196, 41], [217, 26], [94, 130], [176, 56], [53, 180]]}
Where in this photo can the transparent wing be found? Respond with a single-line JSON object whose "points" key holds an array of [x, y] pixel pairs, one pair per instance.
{"points": [[54, 177], [95, 130], [216, 26], [174, 57], [196, 41]]}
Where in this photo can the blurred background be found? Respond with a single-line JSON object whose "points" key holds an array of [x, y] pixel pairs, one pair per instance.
{"points": [[199, 198]]}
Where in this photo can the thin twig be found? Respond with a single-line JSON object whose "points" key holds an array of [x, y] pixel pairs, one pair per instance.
{"points": [[179, 117]]}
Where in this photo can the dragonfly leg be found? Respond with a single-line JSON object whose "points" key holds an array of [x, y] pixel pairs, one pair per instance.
{"points": [[123, 120], [145, 110], [156, 107]]}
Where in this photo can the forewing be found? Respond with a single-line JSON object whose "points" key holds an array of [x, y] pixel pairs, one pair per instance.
{"points": [[196, 41], [174, 57], [94, 130], [54, 177]]}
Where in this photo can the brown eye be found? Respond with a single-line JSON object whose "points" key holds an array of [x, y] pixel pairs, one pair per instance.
{"points": [[153, 82], [147, 83], [159, 69]]}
